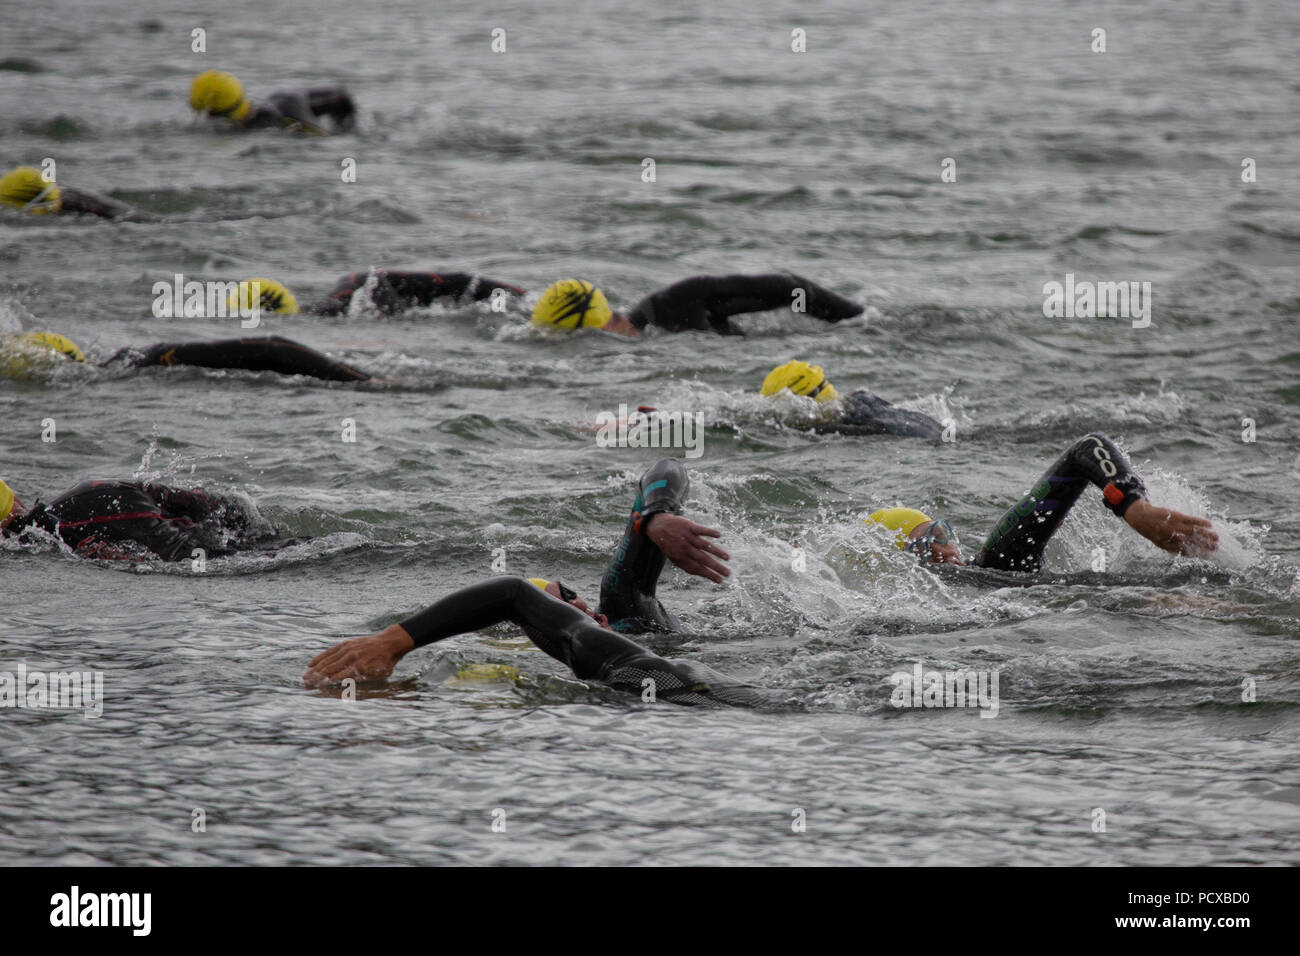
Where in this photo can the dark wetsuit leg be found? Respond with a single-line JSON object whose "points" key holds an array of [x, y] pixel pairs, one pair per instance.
{"points": [[707, 302], [627, 591], [397, 291], [592, 652], [867, 414], [273, 354], [88, 204], [1018, 540]]}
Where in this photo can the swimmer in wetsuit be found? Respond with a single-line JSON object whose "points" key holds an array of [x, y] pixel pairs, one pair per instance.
{"points": [[561, 629], [270, 354], [132, 520], [858, 413], [562, 625], [393, 291], [27, 189], [1020, 537], [220, 94], [701, 303], [33, 353]]}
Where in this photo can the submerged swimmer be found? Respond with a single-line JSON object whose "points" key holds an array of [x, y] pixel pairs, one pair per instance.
{"points": [[133, 520], [562, 625], [392, 291], [220, 94], [32, 354], [858, 413], [701, 303], [270, 354], [1018, 540], [26, 188]]}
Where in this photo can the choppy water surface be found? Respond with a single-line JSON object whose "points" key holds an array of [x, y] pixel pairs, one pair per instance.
{"points": [[1119, 690]]}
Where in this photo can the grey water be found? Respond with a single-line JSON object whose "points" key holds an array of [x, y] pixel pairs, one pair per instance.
{"points": [[1124, 686]]}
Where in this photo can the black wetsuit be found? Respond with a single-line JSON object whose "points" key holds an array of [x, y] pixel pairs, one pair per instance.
{"points": [[272, 354], [78, 201], [303, 108], [135, 517], [396, 291], [627, 591], [707, 303], [1018, 540], [591, 651], [867, 414]]}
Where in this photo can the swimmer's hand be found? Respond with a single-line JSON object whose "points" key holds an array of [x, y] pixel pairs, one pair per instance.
{"points": [[1172, 530], [361, 658], [686, 545]]}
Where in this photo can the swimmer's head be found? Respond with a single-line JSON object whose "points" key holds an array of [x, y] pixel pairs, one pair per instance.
{"points": [[59, 343], [802, 379], [272, 297], [915, 531], [566, 594], [26, 188], [218, 94], [34, 354], [572, 304], [6, 502]]}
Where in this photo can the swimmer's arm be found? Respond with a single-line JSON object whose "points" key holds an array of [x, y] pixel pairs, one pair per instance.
{"points": [[374, 657], [561, 630], [97, 549], [734, 295], [1172, 530], [664, 487]]}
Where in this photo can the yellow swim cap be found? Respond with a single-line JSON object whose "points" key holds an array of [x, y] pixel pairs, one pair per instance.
{"points": [[6, 500], [572, 304], [800, 378], [27, 189], [34, 354], [540, 582], [900, 520], [274, 297], [475, 673], [60, 343], [219, 94]]}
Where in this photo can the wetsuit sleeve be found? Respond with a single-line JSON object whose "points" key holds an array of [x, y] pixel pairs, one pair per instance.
{"points": [[867, 414], [707, 302], [273, 354], [570, 636], [1018, 540], [627, 591], [88, 204]]}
